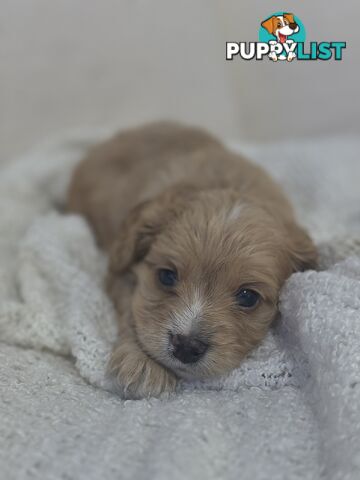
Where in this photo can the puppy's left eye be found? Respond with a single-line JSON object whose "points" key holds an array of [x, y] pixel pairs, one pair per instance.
{"points": [[247, 298], [167, 277]]}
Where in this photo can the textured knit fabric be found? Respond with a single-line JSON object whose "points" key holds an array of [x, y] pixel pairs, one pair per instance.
{"points": [[290, 411]]}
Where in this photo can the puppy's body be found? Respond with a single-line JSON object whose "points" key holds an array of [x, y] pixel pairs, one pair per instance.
{"points": [[173, 198], [138, 165]]}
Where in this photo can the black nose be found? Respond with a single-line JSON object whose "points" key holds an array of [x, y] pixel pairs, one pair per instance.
{"points": [[187, 349], [293, 26]]}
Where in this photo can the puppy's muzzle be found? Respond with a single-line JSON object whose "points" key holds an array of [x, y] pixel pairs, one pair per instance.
{"points": [[187, 349]]}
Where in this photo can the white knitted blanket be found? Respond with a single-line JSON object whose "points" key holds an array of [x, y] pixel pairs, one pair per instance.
{"points": [[292, 410]]}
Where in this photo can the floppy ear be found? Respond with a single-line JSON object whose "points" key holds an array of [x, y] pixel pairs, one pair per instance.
{"points": [[142, 225], [135, 236], [290, 17], [269, 24], [302, 251]]}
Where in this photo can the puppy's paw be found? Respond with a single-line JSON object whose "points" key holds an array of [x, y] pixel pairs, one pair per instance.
{"points": [[291, 56], [137, 375], [273, 56]]}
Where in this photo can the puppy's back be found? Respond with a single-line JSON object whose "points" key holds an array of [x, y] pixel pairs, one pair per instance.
{"points": [[139, 164], [112, 177]]}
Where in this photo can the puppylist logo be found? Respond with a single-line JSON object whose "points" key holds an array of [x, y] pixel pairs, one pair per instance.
{"points": [[282, 37]]}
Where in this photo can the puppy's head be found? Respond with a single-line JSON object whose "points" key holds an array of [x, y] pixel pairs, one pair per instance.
{"points": [[208, 272], [281, 26]]}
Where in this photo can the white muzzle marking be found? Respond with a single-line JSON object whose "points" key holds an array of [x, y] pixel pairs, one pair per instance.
{"points": [[184, 320]]}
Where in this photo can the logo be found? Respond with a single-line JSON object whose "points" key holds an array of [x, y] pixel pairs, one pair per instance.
{"points": [[282, 38]]}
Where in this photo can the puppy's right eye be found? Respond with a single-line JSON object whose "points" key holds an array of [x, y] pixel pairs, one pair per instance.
{"points": [[167, 277]]}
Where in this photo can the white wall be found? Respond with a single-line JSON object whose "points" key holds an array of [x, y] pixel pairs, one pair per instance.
{"points": [[67, 63]]}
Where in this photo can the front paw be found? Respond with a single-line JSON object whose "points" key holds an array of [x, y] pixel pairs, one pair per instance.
{"points": [[273, 56], [137, 375], [291, 56]]}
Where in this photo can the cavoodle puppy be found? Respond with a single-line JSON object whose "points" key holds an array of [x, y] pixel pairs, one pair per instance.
{"points": [[200, 242]]}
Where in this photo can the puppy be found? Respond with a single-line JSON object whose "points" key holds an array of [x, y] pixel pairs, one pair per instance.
{"points": [[281, 26], [200, 242]]}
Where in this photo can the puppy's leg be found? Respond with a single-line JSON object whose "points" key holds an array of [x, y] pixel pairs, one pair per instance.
{"points": [[272, 54], [137, 375]]}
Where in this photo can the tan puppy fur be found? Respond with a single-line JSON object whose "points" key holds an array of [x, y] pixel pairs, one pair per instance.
{"points": [[166, 196]]}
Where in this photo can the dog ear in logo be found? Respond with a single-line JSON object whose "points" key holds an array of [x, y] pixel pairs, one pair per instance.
{"points": [[292, 23], [270, 24]]}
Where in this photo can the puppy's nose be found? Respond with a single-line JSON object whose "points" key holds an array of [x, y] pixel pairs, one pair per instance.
{"points": [[293, 26], [187, 349]]}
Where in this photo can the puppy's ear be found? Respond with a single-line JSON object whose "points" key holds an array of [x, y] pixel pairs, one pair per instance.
{"points": [[302, 251], [142, 225], [289, 17], [135, 236], [269, 24]]}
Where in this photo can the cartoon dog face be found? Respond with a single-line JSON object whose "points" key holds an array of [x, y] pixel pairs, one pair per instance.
{"points": [[281, 26]]}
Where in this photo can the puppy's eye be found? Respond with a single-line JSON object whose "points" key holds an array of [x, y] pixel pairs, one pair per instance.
{"points": [[247, 298], [167, 277]]}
